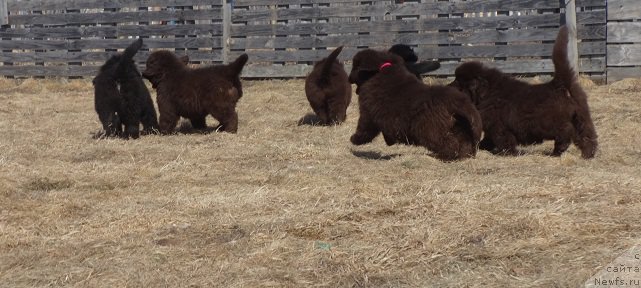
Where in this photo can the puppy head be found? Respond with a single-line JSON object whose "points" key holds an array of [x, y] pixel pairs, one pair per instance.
{"points": [[367, 63], [161, 63], [406, 52], [471, 80]]}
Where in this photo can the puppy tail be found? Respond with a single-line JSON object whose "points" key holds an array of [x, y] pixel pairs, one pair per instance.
{"points": [[133, 48], [563, 73], [237, 66], [327, 65]]}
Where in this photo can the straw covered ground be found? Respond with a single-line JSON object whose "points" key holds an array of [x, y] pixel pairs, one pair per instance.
{"points": [[283, 205]]}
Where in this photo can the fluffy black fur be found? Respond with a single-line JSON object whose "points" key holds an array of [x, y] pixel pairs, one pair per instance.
{"points": [[121, 97], [411, 60]]}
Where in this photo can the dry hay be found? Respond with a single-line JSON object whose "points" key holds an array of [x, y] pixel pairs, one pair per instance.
{"points": [[286, 205]]}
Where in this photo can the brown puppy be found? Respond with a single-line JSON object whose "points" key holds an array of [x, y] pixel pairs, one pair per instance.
{"points": [[393, 101], [195, 93], [328, 90], [515, 112]]}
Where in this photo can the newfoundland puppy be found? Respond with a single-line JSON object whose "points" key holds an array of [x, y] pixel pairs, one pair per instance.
{"points": [[517, 113], [392, 101], [195, 93], [328, 90], [121, 97]]}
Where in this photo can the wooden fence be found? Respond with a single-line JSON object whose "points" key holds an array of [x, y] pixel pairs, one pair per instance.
{"points": [[624, 39], [282, 38]]}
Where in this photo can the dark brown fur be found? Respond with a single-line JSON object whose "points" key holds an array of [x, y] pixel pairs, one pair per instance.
{"points": [[195, 93], [121, 97], [392, 101], [328, 90], [515, 112]]}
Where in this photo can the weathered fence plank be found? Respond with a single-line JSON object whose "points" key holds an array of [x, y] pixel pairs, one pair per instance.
{"points": [[114, 17], [623, 9], [111, 31], [40, 5], [624, 39], [498, 22], [190, 42]]}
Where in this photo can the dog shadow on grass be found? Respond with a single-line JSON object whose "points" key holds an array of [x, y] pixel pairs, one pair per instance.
{"points": [[184, 127], [373, 155], [311, 119]]}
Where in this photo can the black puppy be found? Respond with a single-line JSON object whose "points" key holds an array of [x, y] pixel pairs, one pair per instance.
{"points": [[121, 97], [411, 60]]}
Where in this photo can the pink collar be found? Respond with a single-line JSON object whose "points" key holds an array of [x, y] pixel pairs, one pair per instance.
{"points": [[384, 65]]}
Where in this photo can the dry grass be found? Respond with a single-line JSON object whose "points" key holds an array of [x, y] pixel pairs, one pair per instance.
{"points": [[286, 205]]}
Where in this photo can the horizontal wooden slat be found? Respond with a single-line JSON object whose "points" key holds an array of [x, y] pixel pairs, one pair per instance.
{"points": [[624, 10], [112, 31], [518, 67], [114, 17], [501, 22], [428, 38], [392, 9], [84, 56], [39, 5], [624, 32], [526, 3], [624, 54], [432, 52], [191, 42], [620, 73]]}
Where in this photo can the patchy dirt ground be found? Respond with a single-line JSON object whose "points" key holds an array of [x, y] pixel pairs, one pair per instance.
{"points": [[285, 205]]}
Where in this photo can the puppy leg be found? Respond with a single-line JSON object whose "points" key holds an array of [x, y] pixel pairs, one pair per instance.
{"points": [[198, 123], [366, 131], [336, 112], [487, 144], [320, 108], [228, 121], [504, 140], [168, 118], [129, 116], [149, 120], [563, 139], [110, 123]]}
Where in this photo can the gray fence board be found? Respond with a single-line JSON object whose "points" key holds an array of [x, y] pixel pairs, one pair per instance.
{"points": [[428, 38], [111, 31], [40, 5], [624, 55], [621, 32], [499, 22], [114, 17], [109, 43], [623, 9]]}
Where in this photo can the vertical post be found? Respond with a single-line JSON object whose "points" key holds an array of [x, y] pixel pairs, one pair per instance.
{"points": [[570, 22], [227, 7], [4, 13]]}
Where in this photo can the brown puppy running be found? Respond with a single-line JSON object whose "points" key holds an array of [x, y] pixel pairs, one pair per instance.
{"points": [[393, 101], [328, 90], [195, 93], [515, 112]]}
